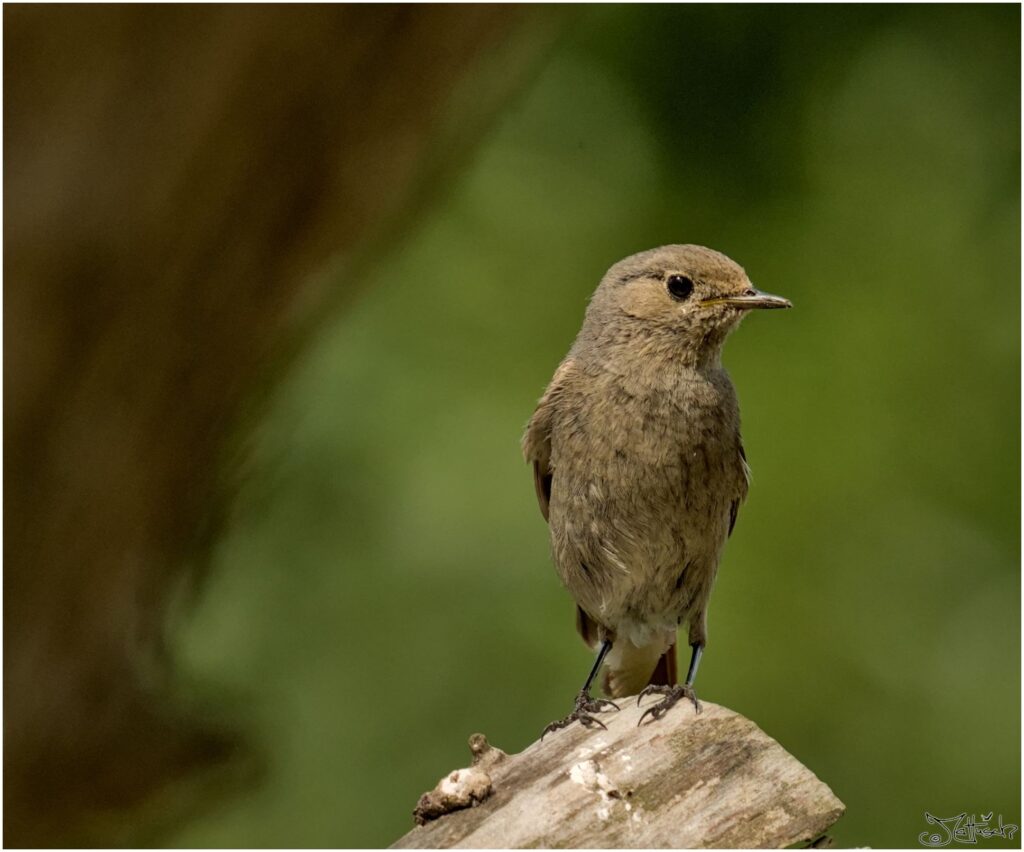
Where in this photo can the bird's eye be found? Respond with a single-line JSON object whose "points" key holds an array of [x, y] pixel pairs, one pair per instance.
{"points": [[679, 286]]}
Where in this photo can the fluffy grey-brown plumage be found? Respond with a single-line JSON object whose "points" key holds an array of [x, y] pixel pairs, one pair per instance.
{"points": [[637, 455]]}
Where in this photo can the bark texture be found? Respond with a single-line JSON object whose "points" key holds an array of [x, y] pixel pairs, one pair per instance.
{"points": [[684, 781]]}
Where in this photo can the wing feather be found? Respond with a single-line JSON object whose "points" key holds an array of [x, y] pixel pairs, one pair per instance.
{"points": [[537, 438], [734, 507]]}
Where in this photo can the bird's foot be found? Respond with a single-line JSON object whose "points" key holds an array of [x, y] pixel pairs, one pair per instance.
{"points": [[672, 695], [585, 705]]}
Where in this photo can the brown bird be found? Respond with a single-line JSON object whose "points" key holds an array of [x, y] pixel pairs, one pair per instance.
{"points": [[639, 467]]}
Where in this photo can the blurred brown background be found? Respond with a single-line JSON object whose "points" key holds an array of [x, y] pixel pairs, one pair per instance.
{"points": [[174, 177]]}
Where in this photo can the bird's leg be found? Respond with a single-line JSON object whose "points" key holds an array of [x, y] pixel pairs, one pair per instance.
{"points": [[674, 693], [585, 705]]}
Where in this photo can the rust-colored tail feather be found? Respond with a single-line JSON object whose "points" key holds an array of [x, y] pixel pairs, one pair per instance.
{"points": [[629, 667], [665, 673]]}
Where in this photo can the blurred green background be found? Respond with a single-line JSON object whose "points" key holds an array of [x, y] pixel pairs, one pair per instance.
{"points": [[384, 587]]}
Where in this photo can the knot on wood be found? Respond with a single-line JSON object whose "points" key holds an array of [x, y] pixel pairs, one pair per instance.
{"points": [[462, 788], [484, 754]]}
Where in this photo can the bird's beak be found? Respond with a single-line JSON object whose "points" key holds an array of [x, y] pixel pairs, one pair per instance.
{"points": [[750, 300]]}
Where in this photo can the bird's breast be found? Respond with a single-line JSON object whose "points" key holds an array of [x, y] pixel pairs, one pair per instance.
{"points": [[642, 483]]}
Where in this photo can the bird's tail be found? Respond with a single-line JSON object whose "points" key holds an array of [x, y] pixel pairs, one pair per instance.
{"points": [[630, 669], [666, 671]]}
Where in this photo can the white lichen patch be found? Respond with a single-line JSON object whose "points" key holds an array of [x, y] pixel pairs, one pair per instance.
{"points": [[584, 774], [465, 784], [588, 775], [637, 815], [462, 788]]}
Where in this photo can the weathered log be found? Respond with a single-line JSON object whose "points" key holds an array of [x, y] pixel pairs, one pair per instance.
{"points": [[687, 780]]}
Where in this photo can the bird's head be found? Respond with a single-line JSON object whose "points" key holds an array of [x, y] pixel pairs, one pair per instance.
{"points": [[688, 294]]}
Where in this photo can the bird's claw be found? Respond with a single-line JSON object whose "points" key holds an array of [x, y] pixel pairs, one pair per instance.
{"points": [[657, 689], [584, 719], [584, 706], [672, 695]]}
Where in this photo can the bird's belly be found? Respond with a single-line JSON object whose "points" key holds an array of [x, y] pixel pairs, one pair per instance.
{"points": [[637, 535]]}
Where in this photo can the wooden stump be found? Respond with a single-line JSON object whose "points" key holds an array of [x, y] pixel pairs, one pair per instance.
{"points": [[688, 780]]}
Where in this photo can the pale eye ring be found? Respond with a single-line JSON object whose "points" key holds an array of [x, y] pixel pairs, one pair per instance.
{"points": [[679, 287]]}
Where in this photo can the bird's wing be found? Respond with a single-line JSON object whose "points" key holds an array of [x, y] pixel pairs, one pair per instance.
{"points": [[587, 628], [734, 507], [537, 451], [537, 438]]}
